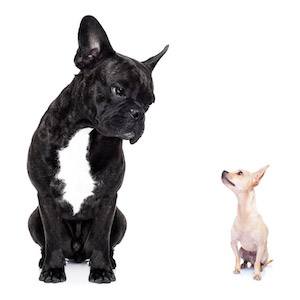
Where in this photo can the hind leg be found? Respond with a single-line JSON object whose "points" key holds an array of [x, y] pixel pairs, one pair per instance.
{"points": [[117, 233], [118, 228], [247, 256], [242, 254], [36, 230], [244, 265]]}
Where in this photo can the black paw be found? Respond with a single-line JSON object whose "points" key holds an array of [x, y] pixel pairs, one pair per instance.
{"points": [[101, 276], [53, 275]]}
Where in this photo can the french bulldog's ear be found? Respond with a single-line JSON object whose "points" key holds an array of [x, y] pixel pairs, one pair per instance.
{"points": [[151, 62], [257, 176], [93, 43]]}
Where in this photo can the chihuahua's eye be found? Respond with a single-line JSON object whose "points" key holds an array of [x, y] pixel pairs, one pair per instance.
{"points": [[117, 91], [240, 173]]}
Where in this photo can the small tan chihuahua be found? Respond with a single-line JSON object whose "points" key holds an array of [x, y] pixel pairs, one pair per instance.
{"points": [[248, 228]]}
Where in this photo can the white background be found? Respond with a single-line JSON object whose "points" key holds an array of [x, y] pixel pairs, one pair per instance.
{"points": [[227, 97]]}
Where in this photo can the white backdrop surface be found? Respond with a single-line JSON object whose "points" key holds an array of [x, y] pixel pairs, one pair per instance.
{"points": [[227, 97]]}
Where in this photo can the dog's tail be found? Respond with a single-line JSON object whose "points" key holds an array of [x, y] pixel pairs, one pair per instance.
{"points": [[265, 264]]}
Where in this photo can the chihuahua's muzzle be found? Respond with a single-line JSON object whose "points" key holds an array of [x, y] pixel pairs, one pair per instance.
{"points": [[225, 178]]}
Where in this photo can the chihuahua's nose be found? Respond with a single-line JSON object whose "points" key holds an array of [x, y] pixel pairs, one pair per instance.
{"points": [[224, 172]]}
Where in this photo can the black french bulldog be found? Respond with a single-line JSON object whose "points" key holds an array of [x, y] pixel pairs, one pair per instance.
{"points": [[110, 96]]}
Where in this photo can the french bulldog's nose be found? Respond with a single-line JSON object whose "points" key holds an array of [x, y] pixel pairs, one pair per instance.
{"points": [[135, 113], [224, 172]]}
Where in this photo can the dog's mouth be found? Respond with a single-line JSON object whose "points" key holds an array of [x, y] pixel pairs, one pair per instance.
{"points": [[137, 134], [225, 179], [125, 128], [230, 182], [131, 136], [134, 135], [128, 136], [134, 139]]}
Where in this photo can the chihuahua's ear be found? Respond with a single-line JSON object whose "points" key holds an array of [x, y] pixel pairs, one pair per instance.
{"points": [[93, 43], [152, 61], [257, 176]]}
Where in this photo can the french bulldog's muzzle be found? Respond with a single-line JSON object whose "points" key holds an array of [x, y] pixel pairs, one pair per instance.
{"points": [[125, 121]]}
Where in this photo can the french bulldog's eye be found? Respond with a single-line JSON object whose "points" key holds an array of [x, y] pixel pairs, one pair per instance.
{"points": [[240, 173], [117, 91]]}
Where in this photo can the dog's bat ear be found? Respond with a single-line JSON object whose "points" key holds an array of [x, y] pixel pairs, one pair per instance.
{"points": [[93, 43], [258, 175], [151, 62]]}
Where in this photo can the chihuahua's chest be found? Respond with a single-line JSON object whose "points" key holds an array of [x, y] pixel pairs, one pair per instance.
{"points": [[247, 241], [246, 232]]}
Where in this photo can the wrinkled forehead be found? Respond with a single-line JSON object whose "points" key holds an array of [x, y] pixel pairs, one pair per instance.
{"points": [[128, 71]]}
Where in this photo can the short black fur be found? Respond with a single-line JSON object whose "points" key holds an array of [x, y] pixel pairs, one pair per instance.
{"points": [[89, 101]]}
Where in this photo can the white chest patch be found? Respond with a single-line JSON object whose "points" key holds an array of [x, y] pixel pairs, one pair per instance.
{"points": [[75, 170]]}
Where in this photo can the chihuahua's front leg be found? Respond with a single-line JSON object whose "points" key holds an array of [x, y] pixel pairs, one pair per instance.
{"points": [[237, 257], [234, 246], [260, 252]]}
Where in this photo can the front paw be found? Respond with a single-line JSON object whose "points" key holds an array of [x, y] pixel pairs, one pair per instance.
{"points": [[236, 271], [101, 276], [257, 277], [53, 275]]}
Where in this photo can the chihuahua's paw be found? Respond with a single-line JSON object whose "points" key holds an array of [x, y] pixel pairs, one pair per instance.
{"points": [[236, 271], [257, 277], [244, 265], [101, 276], [53, 275]]}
